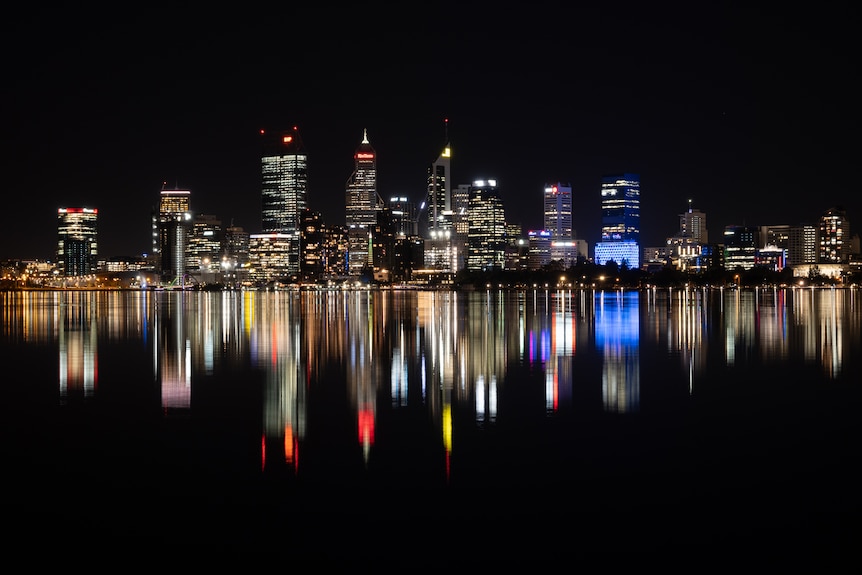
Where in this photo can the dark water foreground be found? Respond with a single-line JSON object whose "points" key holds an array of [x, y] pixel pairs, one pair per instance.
{"points": [[754, 458]]}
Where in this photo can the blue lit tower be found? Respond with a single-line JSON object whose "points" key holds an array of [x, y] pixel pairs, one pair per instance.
{"points": [[620, 221], [284, 189], [77, 247]]}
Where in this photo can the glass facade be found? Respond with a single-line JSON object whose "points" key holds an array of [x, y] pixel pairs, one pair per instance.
{"points": [[171, 234], [558, 211], [363, 204], [284, 173], [487, 230], [620, 221], [77, 241]]}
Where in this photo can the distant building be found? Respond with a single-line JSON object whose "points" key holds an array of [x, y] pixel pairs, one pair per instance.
{"points": [[442, 248], [834, 237], [171, 229], [740, 246], [620, 221], [487, 231], [558, 211], [77, 241], [363, 204], [284, 190]]}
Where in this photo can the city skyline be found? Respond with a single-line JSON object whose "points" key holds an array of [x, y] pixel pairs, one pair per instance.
{"points": [[732, 110]]}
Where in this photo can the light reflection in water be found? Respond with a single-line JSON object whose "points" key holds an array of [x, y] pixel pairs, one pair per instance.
{"points": [[617, 333], [449, 354]]}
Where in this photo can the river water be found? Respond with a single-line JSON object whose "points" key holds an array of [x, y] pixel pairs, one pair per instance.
{"points": [[389, 423]]}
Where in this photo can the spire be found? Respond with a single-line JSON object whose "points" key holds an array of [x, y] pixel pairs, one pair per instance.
{"points": [[365, 136]]}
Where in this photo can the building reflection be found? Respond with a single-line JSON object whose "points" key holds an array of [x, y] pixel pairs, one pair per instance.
{"points": [[464, 358], [77, 331], [617, 331], [275, 346], [172, 350]]}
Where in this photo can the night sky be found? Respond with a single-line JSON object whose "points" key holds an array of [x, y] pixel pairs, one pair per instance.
{"points": [[745, 111]]}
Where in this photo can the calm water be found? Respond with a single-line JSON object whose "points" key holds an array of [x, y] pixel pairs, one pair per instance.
{"points": [[369, 423]]}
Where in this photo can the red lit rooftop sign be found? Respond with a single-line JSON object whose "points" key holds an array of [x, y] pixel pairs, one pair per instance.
{"points": [[364, 156]]}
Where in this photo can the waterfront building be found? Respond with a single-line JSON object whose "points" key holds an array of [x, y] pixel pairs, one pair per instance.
{"points": [[620, 240], [269, 259], [171, 228], [284, 190], [204, 252], [77, 241], [740, 245], [834, 237]]}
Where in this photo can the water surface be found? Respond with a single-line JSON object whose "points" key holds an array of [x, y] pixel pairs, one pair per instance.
{"points": [[365, 422]]}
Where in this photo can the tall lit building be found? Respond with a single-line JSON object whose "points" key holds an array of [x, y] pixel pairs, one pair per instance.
{"points": [[692, 224], [284, 190], [802, 245], [487, 235], [834, 236], [77, 241], [620, 221], [204, 251], [438, 203], [558, 210], [363, 204], [171, 230], [740, 247], [442, 252]]}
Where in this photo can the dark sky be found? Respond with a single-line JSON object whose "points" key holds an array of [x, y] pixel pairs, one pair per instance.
{"points": [[745, 111]]}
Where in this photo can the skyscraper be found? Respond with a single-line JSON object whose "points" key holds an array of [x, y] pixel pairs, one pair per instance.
{"points": [[362, 205], [620, 221], [558, 210], [171, 234], [438, 203], [441, 246], [284, 190], [692, 224], [77, 245], [487, 235]]}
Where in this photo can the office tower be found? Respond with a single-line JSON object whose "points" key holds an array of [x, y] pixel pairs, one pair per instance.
{"points": [[802, 245], [234, 262], [834, 236], [441, 249], [204, 252], [438, 203], [692, 224], [740, 246], [620, 221], [284, 171], [77, 241], [170, 234], [363, 204], [558, 210], [313, 235], [404, 215], [487, 230]]}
